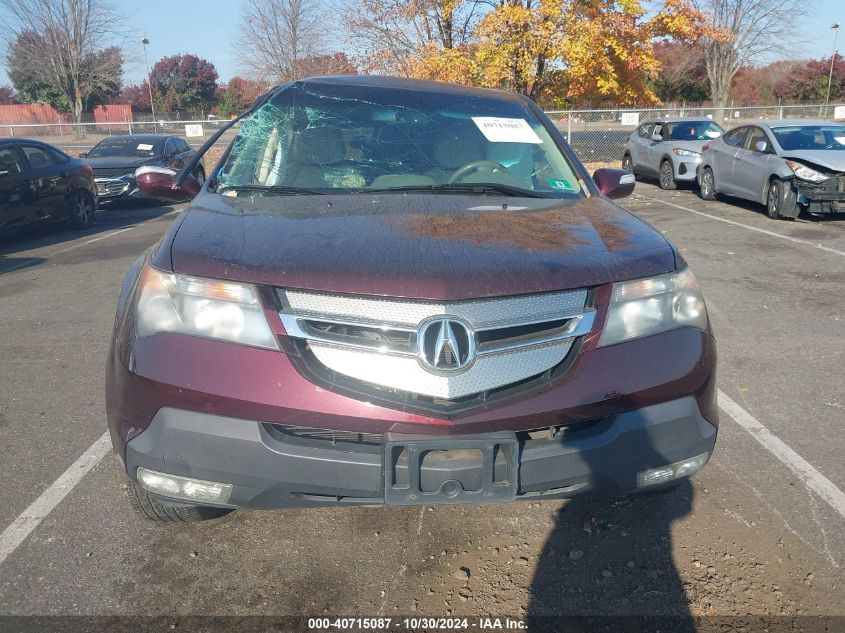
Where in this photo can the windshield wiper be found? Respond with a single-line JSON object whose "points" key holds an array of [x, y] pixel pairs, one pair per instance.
{"points": [[279, 189], [461, 187]]}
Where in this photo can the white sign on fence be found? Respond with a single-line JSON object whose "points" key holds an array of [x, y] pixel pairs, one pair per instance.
{"points": [[193, 129], [839, 112], [630, 118]]}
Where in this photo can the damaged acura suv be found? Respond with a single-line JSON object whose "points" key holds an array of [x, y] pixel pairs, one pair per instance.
{"points": [[394, 292]]}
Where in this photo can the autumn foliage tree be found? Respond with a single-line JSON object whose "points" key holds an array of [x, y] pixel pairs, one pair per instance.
{"points": [[7, 95], [808, 81], [183, 82], [592, 51]]}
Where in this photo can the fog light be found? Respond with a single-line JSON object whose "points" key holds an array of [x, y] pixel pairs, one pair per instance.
{"points": [[183, 487], [685, 468]]}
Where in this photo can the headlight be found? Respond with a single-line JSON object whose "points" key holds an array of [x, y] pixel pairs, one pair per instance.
{"points": [[685, 152], [656, 304], [202, 307], [805, 173]]}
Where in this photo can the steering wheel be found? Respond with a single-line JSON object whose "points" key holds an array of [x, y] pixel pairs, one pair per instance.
{"points": [[476, 165]]}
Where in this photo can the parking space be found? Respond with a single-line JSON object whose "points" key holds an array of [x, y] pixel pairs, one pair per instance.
{"points": [[756, 532]]}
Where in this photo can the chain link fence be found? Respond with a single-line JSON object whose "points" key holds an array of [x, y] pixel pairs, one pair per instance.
{"points": [[598, 136]]}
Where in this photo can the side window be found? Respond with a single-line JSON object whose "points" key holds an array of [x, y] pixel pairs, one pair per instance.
{"points": [[181, 146], [735, 137], [37, 156], [658, 130], [645, 130], [169, 148], [10, 160], [58, 157], [757, 135]]}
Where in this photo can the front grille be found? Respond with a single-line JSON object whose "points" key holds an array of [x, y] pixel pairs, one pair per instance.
{"points": [[382, 349], [111, 187], [113, 172], [328, 435]]}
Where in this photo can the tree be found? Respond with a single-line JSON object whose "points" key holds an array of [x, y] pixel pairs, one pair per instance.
{"points": [[62, 46], [183, 82], [683, 73], [7, 95], [239, 94], [138, 96], [330, 64], [742, 33], [395, 35], [275, 36], [808, 81], [595, 51]]}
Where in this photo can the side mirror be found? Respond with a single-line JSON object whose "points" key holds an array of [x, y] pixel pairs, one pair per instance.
{"points": [[83, 154], [157, 182], [614, 183], [761, 146], [657, 137]]}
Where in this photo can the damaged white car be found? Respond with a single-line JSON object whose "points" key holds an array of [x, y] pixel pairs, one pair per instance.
{"points": [[789, 166]]}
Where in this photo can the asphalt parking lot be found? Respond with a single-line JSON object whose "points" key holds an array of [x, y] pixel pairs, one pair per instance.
{"points": [[758, 532]]}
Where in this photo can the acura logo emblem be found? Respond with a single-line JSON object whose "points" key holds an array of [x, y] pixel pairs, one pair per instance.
{"points": [[446, 344]]}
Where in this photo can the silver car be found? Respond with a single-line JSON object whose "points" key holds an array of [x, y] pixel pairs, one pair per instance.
{"points": [[669, 149], [789, 166]]}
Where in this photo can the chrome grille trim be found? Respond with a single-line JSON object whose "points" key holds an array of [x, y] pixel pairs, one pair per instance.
{"points": [[481, 314], [376, 340]]}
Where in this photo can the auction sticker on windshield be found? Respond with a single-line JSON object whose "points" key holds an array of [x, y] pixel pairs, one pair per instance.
{"points": [[504, 130]]}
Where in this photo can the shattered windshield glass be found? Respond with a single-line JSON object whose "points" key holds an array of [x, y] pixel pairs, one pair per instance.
{"points": [[329, 138]]}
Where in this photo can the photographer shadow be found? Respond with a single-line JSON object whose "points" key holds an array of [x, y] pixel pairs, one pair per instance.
{"points": [[608, 564]]}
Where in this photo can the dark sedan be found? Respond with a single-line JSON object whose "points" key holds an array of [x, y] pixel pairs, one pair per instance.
{"points": [[39, 183], [116, 158]]}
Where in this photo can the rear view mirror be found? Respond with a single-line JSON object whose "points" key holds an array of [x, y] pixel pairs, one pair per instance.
{"points": [[761, 146], [614, 183], [158, 183]]}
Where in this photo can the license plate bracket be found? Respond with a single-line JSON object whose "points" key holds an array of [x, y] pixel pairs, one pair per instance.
{"points": [[408, 452]]}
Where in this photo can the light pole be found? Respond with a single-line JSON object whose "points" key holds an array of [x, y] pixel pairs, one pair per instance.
{"points": [[144, 42], [835, 27]]}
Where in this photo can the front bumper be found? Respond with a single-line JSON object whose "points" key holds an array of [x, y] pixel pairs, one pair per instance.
{"points": [[686, 169], [273, 470], [109, 189], [828, 197]]}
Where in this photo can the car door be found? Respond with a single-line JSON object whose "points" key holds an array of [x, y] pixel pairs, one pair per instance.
{"points": [[751, 166], [640, 141], [16, 194], [722, 161], [655, 147], [48, 181]]}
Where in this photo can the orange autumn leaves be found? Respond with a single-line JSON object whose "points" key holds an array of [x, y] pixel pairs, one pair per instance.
{"points": [[585, 51]]}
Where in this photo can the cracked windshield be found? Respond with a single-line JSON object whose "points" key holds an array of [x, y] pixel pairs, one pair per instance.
{"points": [[337, 141]]}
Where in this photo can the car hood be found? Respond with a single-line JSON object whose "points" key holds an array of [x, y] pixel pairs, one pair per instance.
{"points": [[437, 247], [115, 162], [833, 159]]}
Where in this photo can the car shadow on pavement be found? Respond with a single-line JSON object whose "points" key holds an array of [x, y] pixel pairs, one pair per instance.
{"points": [[108, 219], [608, 565]]}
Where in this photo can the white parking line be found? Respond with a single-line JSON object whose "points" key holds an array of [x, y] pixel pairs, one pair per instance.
{"points": [[32, 517], [747, 226], [802, 469], [104, 236]]}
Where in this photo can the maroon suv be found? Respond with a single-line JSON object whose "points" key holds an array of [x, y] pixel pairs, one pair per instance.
{"points": [[400, 292]]}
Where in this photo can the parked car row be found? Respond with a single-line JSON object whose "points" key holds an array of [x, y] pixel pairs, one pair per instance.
{"points": [[787, 165], [41, 184]]}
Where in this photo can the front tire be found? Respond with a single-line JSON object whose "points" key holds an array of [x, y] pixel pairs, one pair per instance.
{"points": [[667, 176], [81, 209], [780, 200], [707, 187], [627, 164]]}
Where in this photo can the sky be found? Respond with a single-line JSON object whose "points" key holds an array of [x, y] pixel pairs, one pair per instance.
{"points": [[207, 28]]}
